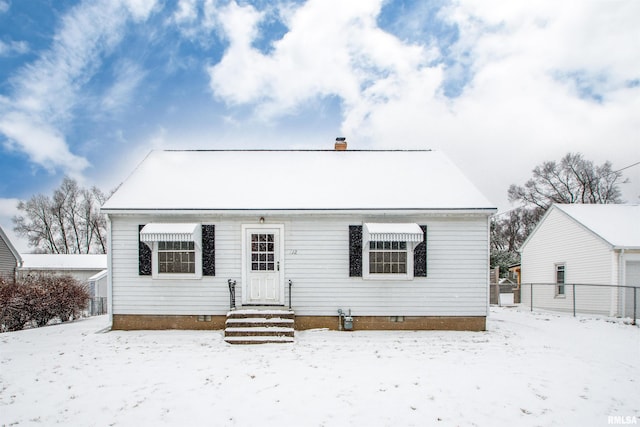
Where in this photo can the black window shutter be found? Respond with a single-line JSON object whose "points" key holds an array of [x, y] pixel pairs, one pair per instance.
{"points": [[355, 251], [208, 250], [420, 256], [144, 256]]}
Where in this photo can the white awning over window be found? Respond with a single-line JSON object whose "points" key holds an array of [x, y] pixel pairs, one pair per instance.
{"points": [[393, 232], [171, 232]]}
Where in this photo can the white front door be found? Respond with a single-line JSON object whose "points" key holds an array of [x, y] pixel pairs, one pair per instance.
{"points": [[262, 282]]}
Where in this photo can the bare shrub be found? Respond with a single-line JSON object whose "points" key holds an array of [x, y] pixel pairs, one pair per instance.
{"points": [[14, 313], [39, 299], [68, 297]]}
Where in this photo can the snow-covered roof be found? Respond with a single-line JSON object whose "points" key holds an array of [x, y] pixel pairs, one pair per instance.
{"points": [[64, 261], [296, 179], [100, 275], [618, 225]]}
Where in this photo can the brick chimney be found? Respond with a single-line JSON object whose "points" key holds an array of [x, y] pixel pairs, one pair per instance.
{"points": [[341, 143]]}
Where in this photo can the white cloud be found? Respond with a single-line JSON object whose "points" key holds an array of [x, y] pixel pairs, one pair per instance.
{"points": [[46, 91], [140, 9], [128, 76], [13, 48], [43, 144], [324, 53], [8, 209], [4, 6], [545, 78], [186, 11], [195, 19]]}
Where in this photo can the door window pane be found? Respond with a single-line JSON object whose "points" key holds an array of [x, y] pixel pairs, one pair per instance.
{"points": [[263, 251]]}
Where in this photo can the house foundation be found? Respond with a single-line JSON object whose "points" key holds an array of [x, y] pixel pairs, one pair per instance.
{"points": [[396, 323], [131, 322], [360, 323]]}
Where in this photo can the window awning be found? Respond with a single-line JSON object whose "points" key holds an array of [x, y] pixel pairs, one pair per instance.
{"points": [[171, 232], [393, 232]]}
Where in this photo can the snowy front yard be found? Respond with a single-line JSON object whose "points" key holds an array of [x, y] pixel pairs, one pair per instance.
{"points": [[526, 370]]}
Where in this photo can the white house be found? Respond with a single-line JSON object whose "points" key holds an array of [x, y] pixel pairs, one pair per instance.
{"points": [[584, 244], [79, 266], [398, 237], [98, 284], [10, 259]]}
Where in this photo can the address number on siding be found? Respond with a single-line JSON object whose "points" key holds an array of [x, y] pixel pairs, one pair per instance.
{"points": [[292, 252]]}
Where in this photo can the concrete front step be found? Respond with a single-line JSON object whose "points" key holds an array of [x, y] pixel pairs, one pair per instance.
{"points": [[268, 314], [259, 331], [259, 340], [259, 326], [259, 322]]}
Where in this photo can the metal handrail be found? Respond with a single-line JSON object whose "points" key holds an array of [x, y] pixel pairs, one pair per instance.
{"points": [[232, 294]]}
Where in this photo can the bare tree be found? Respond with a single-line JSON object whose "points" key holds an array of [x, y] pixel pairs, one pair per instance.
{"points": [[508, 232], [69, 222], [96, 223], [572, 180], [40, 228]]}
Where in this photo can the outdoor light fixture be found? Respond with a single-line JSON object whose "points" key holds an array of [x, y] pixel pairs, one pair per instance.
{"points": [[261, 220]]}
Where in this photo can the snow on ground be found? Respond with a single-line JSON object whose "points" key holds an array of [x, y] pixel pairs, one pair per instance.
{"points": [[528, 369]]}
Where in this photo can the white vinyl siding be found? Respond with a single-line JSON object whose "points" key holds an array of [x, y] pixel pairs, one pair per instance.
{"points": [[587, 259], [8, 261], [632, 273], [316, 259]]}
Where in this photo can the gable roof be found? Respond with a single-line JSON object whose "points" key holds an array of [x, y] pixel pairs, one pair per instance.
{"points": [[618, 225], [295, 179], [64, 261], [12, 248]]}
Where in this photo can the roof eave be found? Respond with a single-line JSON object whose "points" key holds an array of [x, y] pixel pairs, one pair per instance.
{"points": [[65, 268], [195, 211], [626, 248]]}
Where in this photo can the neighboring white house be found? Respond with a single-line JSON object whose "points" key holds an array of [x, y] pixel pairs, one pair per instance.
{"points": [[79, 266], [99, 292], [10, 259], [399, 237], [98, 284], [584, 244]]}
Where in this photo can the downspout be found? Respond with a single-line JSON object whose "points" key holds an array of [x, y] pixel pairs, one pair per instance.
{"points": [[487, 278], [109, 272]]}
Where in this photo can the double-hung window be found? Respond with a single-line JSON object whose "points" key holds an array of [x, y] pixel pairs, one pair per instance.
{"points": [[388, 250], [176, 257], [176, 249], [387, 257], [560, 280]]}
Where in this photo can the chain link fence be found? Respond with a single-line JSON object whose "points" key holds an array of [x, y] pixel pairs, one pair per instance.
{"points": [[97, 306], [602, 299]]}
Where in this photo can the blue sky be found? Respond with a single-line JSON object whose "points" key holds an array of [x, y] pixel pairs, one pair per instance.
{"points": [[88, 88]]}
